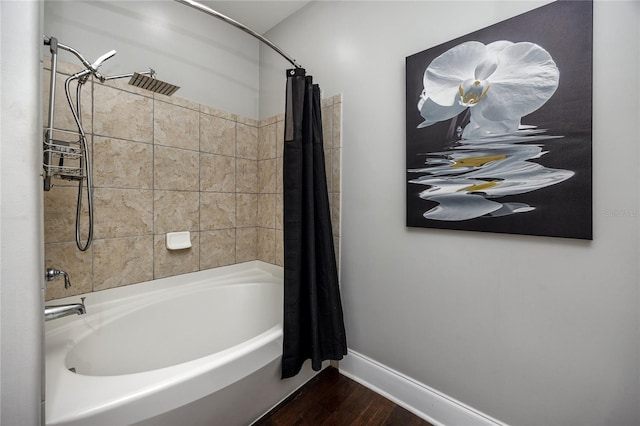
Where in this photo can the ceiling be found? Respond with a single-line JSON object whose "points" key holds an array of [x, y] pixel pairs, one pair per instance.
{"points": [[259, 15]]}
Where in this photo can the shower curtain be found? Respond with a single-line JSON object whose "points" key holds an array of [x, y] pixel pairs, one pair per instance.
{"points": [[313, 324]]}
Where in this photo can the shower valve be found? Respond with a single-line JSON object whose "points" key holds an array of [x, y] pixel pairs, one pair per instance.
{"points": [[51, 274]]}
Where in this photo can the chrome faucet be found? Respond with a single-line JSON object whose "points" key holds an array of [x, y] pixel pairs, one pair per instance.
{"points": [[51, 274], [59, 311]]}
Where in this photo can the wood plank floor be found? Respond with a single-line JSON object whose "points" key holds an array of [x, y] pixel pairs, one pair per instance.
{"points": [[333, 399]]}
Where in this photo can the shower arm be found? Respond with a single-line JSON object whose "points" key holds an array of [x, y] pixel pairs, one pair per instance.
{"points": [[240, 26], [90, 68]]}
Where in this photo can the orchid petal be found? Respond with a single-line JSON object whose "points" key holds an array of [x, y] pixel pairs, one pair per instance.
{"points": [[498, 46], [525, 78], [490, 62], [445, 73], [432, 112]]}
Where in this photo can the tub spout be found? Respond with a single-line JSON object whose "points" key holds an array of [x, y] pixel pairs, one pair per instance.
{"points": [[59, 311]]}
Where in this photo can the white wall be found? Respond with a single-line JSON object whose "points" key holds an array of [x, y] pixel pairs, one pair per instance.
{"points": [[529, 330], [213, 63], [21, 242]]}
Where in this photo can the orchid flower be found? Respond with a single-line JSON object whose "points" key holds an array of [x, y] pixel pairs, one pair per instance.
{"points": [[500, 83]]}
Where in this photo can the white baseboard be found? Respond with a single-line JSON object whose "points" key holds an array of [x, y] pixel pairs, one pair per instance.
{"points": [[423, 401]]}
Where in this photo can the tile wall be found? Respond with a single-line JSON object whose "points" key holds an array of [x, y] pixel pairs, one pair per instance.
{"points": [[164, 164]]}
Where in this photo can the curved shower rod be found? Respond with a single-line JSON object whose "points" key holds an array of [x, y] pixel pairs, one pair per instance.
{"points": [[238, 25]]}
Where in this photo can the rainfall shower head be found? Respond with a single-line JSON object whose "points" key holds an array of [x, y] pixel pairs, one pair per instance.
{"points": [[151, 83]]}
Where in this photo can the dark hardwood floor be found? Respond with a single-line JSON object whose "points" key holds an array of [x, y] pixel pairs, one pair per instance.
{"points": [[333, 399]]}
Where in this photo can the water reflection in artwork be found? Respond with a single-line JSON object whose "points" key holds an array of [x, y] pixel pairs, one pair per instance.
{"points": [[468, 180]]}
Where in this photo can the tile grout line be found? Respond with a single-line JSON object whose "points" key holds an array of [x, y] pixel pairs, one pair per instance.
{"points": [[235, 197], [93, 149], [153, 186], [199, 189]]}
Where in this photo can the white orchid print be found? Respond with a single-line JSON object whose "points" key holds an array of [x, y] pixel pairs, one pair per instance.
{"points": [[497, 85], [500, 83]]}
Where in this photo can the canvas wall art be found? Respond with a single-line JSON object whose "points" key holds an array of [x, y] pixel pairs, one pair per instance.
{"points": [[499, 125]]}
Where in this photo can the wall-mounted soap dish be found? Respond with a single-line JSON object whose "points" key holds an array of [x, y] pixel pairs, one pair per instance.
{"points": [[178, 240]]}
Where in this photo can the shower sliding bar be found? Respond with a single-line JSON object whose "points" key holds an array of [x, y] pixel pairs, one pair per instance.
{"points": [[238, 25]]}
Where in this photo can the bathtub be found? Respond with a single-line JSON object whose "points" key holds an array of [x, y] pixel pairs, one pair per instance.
{"points": [[201, 348]]}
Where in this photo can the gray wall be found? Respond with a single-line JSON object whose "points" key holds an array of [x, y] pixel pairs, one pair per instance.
{"points": [[21, 244], [529, 330]]}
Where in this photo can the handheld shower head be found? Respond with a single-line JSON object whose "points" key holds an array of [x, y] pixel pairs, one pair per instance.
{"points": [[153, 84], [101, 59]]}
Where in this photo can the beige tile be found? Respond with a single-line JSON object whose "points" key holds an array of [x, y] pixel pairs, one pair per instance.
{"points": [[58, 182], [64, 67], [279, 175], [217, 135], [267, 141], [247, 176], [63, 118], [175, 126], [337, 125], [218, 113], [123, 115], [176, 169], [279, 211], [177, 100], [217, 248], [247, 210], [336, 248], [279, 250], [279, 139], [60, 214], [122, 164], [122, 261], [168, 263], [76, 263], [217, 210], [335, 213], [122, 212], [176, 211], [328, 168], [327, 126], [248, 121], [269, 120], [267, 176], [267, 245], [326, 102], [217, 173], [246, 244], [267, 210], [335, 175], [247, 143]]}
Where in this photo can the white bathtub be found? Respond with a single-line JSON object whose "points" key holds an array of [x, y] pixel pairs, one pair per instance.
{"points": [[200, 348]]}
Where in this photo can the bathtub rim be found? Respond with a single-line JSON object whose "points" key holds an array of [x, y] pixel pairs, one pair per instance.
{"points": [[107, 297], [182, 383]]}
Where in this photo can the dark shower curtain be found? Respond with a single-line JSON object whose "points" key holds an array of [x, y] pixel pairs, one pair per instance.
{"points": [[313, 324]]}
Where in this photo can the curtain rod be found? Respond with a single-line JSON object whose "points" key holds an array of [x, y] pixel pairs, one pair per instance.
{"points": [[237, 24]]}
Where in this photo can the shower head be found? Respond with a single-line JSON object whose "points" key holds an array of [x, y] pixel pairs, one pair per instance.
{"points": [[101, 59], [151, 83]]}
